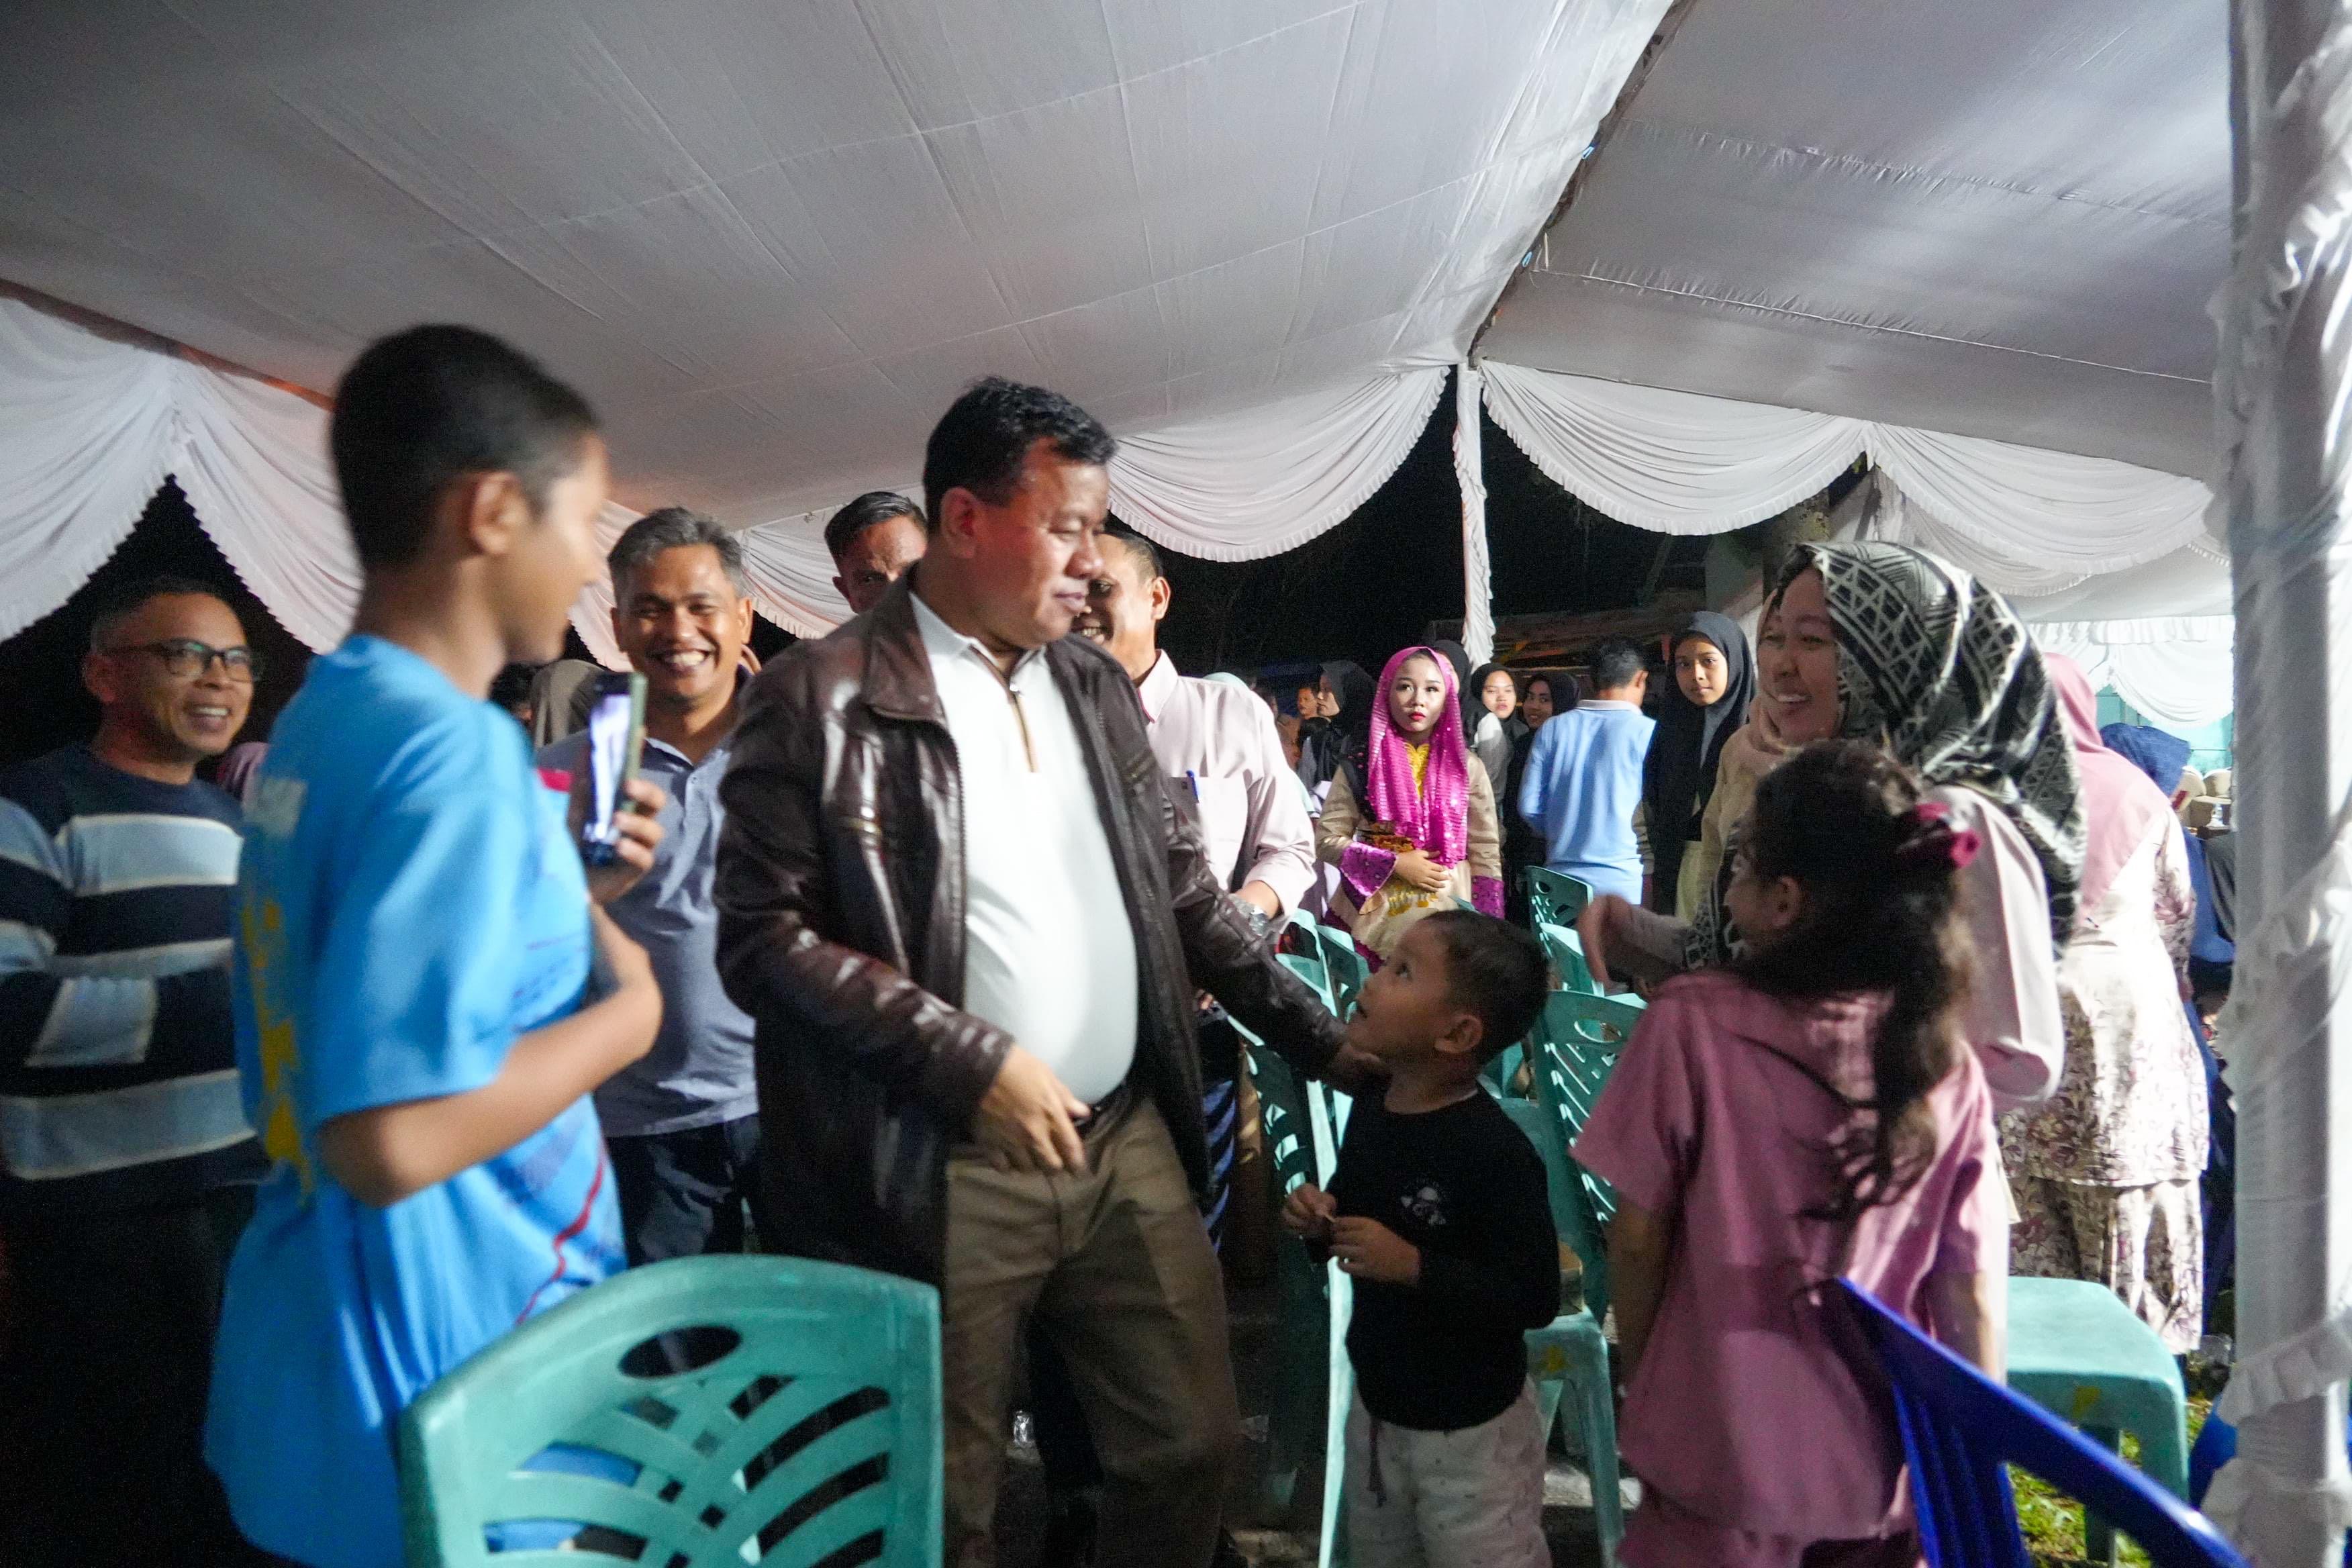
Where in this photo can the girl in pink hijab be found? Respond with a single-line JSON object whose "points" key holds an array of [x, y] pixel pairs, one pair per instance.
{"points": [[1411, 822], [2106, 1171]]}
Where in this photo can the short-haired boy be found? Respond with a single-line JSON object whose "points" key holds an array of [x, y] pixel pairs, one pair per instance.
{"points": [[1439, 1213], [416, 1030]]}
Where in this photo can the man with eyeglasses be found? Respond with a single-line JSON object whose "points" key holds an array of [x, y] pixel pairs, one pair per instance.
{"points": [[126, 1163]]}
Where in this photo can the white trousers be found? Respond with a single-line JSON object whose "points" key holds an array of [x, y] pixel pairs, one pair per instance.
{"points": [[1468, 1499]]}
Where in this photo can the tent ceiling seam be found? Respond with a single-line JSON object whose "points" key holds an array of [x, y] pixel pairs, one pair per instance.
{"points": [[1859, 164], [1702, 297]]}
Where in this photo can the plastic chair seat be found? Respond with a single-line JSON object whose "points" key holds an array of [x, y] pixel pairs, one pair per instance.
{"points": [[2077, 1350]]}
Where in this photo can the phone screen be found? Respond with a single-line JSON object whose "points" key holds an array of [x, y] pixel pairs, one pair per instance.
{"points": [[613, 738]]}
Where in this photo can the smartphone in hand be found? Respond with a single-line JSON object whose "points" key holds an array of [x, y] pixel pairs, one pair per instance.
{"points": [[616, 742]]}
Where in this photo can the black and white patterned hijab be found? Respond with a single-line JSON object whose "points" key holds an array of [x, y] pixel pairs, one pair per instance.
{"points": [[1937, 667]]}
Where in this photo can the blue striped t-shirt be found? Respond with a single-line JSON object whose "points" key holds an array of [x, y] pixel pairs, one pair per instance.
{"points": [[117, 1059]]}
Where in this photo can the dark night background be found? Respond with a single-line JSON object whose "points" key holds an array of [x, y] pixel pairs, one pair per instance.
{"points": [[1360, 591]]}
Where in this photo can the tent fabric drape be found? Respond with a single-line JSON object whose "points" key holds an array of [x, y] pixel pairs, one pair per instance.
{"points": [[1680, 463], [1242, 486], [85, 438], [253, 461], [2181, 681]]}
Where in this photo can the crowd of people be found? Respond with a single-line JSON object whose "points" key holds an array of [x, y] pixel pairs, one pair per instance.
{"points": [[928, 947]]}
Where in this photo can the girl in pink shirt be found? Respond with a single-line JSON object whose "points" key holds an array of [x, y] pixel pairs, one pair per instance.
{"points": [[1805, 1112]]}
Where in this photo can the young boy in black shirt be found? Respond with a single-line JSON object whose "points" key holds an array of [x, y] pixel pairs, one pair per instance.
{"points": [[1439, 1213]]}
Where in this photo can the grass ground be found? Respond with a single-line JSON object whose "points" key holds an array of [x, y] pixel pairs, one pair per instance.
{"points": [[2054, 1525]]}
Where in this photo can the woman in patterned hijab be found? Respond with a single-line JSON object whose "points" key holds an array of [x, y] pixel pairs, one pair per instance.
{"points": [[1937, 667], [1882, 643]]}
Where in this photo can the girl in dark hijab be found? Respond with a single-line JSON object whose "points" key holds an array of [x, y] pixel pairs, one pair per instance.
{"points": [[1459, 658], [1715, 682], [1495, 728], [1343, 726]]}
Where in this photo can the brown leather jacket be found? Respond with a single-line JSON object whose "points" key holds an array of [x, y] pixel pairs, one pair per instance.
{"points": [[841, 931]]}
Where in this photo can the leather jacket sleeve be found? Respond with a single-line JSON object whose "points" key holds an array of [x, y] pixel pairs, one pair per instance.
{"points": [[1224, 953], [786, 938]]}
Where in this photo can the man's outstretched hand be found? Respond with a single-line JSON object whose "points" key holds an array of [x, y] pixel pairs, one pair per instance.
{"points": [[1355, 1073]]}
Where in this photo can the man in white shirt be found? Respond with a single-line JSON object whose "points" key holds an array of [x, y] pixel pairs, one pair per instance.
{"points": [[968, 922], [1223, 761]]}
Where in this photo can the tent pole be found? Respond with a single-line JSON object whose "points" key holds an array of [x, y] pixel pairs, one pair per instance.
{"points": [[1470, 473], [2281, 386]]}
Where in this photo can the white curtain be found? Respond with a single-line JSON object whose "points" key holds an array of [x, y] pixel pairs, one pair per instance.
{"points": [[85, 438], [1242, 486], [253, 461], [792, 573], [1666, 460], [2176, 671], [1680, 463]]}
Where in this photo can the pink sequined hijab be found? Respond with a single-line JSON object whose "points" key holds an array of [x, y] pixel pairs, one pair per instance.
{"points": [[1436, 816]]}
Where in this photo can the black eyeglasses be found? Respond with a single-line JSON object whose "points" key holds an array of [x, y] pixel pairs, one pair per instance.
{"points": [[187, 657]]}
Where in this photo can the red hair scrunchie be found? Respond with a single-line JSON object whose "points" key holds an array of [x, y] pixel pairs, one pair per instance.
{"points": [[1931, 844]]}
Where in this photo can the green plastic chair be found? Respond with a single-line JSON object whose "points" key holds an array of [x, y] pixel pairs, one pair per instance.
{"points": [[812, 1435], [1566, 951], [1311, 970], [1554, 898], [1579, 1037], [2077, 1350], [1314, 1381], [1346, 967], [1572, 1353]]}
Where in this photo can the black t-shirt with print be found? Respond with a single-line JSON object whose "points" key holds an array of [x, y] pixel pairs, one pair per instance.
{"points": [[1463, 1185]]}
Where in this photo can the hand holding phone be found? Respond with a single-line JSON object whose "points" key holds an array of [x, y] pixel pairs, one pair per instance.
{"points": [[617, 743], [637, 835]]}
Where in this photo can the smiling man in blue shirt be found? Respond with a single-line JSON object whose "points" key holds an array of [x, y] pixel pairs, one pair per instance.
{"points": [[683, 1125]]}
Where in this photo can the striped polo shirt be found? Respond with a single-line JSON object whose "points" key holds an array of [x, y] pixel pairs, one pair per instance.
{"points": [[118, 1057]]}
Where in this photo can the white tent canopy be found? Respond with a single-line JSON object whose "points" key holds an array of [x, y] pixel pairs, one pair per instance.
{"points": [[2004, 218], [1977, 242], [771, 243]]}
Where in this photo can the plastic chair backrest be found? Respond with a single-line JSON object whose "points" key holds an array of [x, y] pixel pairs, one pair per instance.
{"points": [[1961, 1431], [1311, 970], [1566, 951], [1554, 897], [1542, 1129], [1578, 1038], [1282, 1110], [1345, 966], [811, 1435]]}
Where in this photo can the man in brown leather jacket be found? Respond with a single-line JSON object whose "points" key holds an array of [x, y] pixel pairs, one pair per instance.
{"points": [[969, 924]]}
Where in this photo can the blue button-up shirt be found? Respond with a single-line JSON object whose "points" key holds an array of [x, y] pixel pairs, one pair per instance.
{"points": [[699, 1071]]}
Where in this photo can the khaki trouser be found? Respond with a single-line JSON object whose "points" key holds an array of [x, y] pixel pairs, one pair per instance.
{"points": [[1114, 1266]]}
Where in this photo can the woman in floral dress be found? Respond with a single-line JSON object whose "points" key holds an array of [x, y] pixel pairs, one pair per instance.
{"points": [[2106, 1171]]}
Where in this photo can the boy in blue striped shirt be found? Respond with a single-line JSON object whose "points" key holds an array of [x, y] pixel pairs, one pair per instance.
{"points": [[126, 1162]]}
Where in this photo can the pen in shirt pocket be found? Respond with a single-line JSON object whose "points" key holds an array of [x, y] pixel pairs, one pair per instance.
{"points": [[1192, 783]]}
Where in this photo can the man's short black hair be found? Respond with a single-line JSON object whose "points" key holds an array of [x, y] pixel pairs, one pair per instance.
{"points": [[423, 407], [1495, 970], [873, 507], [1615, 662], [119, 604], [1145, 550], [981, 441], [676, 528], [511, 687]]}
